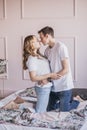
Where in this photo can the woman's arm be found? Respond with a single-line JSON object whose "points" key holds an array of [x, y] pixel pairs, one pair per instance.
{"points": [[34, 77]]}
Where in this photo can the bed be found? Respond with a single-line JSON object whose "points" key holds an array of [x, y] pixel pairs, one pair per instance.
{"points": [[25, 118]]}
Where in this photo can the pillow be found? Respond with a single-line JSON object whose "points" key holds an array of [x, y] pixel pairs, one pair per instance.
{"points": [[82, 92]]}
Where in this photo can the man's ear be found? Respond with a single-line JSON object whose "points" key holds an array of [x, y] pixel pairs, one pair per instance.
{"points": [[47, 35]]}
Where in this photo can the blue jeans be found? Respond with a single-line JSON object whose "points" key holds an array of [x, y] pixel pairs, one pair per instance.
{"points": [[42, 98], [62, 100]]}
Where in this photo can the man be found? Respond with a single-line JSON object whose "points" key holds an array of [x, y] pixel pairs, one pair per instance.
{"points": [[57, 54]]}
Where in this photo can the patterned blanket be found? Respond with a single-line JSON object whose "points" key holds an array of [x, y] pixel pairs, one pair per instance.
{"points": [[73, 121]]}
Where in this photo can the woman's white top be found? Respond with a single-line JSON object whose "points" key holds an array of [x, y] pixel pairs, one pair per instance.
{"points": [[40, 66]]}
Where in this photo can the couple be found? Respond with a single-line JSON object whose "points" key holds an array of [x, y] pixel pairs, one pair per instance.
{"points": [[50, 71]]}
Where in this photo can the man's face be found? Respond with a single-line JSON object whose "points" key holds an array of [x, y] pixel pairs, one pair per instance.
{"points": [[44, 39]]}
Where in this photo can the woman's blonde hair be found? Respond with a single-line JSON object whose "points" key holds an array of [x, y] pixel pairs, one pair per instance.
{"points": [[28, 49]]}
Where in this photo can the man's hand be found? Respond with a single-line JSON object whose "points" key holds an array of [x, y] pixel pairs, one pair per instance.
{"points": [[55, 76]]}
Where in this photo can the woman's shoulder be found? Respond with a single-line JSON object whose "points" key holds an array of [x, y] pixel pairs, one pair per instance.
{"points": [[32, 58]]}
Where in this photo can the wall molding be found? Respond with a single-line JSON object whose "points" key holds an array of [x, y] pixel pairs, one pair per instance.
{"points": [[25, 73], [3, 9], [48, 14], [74, 68]]}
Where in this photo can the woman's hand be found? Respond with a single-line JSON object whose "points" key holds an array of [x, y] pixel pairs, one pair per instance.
{"points": [[43, 82]]}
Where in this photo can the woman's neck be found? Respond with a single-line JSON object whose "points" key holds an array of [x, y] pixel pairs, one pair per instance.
{"points": [[38, 55], [35, 52]]}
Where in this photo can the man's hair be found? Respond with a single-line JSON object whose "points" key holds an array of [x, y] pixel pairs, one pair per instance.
{"points": [[47, 30]]}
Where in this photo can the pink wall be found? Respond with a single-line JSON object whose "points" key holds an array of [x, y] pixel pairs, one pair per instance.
{"points": [[19, 18]]}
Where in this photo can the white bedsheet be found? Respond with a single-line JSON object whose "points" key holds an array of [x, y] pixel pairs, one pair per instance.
{"points": [[84, 127], [16, 127]]}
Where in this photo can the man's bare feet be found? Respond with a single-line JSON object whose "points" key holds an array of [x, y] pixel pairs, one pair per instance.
{"points": [[78, 98]]}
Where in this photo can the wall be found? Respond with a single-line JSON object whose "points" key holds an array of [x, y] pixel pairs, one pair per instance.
{"points": [[19, 18]]}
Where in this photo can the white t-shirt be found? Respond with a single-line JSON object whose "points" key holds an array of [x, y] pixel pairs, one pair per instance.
{"points": [[55, 55], [41, 66]]}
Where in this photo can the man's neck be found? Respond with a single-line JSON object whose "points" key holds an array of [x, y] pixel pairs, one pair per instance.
{"points": [[52, 43]]}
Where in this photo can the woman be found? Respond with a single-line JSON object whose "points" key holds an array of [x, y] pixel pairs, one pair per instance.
{"points": [[39, 71]]}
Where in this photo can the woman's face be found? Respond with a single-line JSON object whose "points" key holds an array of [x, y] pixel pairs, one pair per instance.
{"points": [[36, 43]]}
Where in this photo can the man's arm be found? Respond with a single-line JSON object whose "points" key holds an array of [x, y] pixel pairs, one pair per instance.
{"points": [[64, 70]]}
